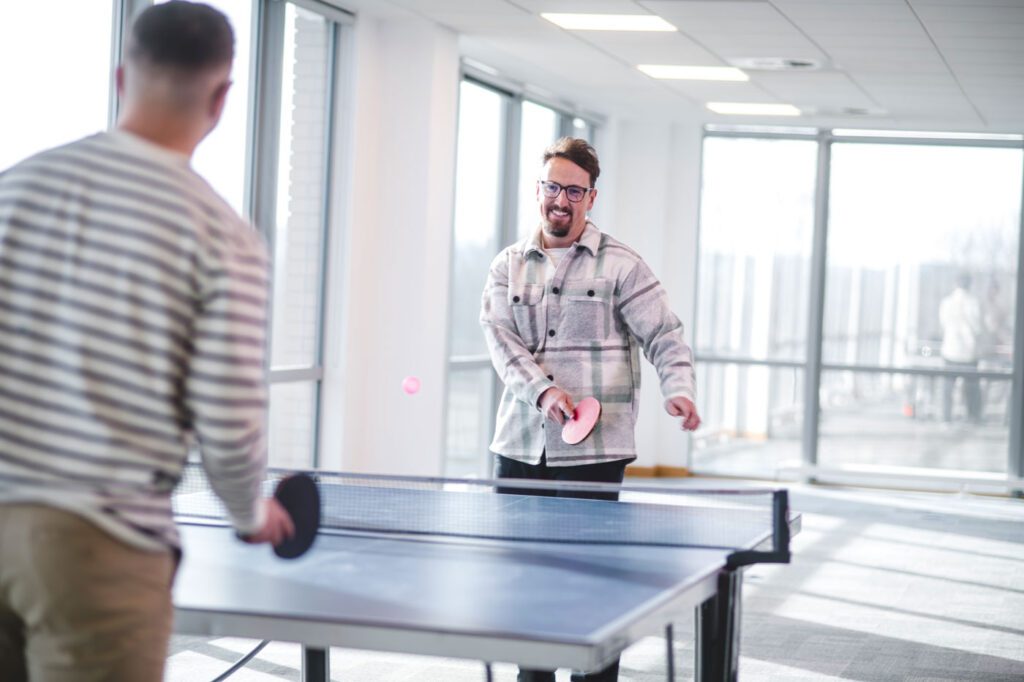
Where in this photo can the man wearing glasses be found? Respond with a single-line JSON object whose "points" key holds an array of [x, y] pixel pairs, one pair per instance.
{"points": [[565, 313]]}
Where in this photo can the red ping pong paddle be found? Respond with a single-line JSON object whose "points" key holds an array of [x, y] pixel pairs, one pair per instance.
{"points": [[300, 497], [584, 419]]}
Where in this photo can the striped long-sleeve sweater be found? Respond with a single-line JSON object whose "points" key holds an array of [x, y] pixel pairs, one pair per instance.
{"points": [[132, 324]]}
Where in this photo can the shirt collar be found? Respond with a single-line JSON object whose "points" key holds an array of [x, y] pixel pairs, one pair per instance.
{"points": [[589, 240], [150, 148]]}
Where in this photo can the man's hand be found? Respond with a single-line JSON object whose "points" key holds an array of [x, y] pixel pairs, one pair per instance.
{"points": [[682, 407], [277, 528], [556, 405]]}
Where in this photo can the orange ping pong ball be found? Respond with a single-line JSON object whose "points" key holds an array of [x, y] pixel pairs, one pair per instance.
{"points": [[411, 385]]}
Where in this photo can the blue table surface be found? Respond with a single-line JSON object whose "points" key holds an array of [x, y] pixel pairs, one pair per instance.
{"points": [[532, 590]]}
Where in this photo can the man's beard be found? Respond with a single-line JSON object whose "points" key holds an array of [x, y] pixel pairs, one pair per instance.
{"points": [[557, 229]]}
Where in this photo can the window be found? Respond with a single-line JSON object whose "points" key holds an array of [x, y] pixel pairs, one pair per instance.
{"points": [[501, 139], [50, 70], [299, 50], [299, 234], [540, 126], [478, 214], [937, 240], [915, 271], [221, 157], [751, 328]]}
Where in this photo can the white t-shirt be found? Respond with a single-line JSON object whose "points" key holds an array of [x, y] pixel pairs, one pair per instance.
{"points": [[555, 257]]}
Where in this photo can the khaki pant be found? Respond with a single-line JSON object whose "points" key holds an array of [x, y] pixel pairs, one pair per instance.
{"points": [[76, 605]]}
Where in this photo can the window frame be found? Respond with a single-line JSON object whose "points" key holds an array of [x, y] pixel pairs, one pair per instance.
{"points": [[813, 364]]}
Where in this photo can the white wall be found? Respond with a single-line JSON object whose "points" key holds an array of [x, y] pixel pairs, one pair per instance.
{"points": [[394, 260], [391, 271]]}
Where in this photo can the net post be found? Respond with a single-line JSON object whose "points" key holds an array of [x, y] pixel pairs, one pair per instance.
{"points": [[779, 553]]}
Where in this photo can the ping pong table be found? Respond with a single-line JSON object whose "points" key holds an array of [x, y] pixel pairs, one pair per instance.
{"points": [[432, 569]]}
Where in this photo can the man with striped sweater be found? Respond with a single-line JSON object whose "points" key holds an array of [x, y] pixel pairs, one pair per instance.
{"points": [[565, 313], [132, 323]]}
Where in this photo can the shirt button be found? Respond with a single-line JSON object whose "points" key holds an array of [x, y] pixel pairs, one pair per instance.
{"points": [[590, 293], [515, 299], [551, 332], [554, 290]]}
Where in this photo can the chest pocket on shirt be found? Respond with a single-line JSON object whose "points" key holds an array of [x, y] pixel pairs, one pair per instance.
{"points": [[525, 303], [587, 310]]}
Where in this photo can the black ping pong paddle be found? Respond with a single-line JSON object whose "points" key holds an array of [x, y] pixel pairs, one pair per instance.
{"points": [[300, 497]]}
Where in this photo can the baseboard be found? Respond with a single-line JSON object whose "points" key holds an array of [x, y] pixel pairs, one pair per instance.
{"points": [[657, 471]]}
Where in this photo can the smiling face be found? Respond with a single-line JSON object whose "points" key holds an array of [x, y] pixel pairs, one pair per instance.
{"points": [[561, 220]]}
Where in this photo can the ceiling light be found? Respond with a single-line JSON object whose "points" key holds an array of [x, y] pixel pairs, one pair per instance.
{"points": [[925, 134], [609, 22], [753, 109], [776, 63], [693, 73]]}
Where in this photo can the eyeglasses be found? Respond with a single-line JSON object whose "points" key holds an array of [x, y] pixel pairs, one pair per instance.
{"points": [[573, 193]]}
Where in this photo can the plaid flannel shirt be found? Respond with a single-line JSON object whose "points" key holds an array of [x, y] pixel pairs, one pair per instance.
{"points": [[581, 332]]}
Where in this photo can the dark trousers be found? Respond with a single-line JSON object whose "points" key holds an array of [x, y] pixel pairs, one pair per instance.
{"points": [[972, 392], [605, 472]]}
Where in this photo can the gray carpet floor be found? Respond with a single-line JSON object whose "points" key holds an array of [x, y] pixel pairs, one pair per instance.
{"points": [[884, 586]]}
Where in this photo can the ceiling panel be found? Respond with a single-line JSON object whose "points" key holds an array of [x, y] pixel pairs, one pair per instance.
{"points": [[492, 23], [966, 3], [758, 45], [711, 91], [941, 30], [839, 27], [984, 58], [584, 6], [1012, 12], [846, 11], [891, 60], [704, 11], [900, 80], [830, 88], [1010, 46], [434, 6], [920, 41], [653, 48], [926, 62], [970, 70]]}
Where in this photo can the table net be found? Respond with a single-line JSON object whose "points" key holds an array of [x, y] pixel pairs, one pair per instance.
{"points": [[538, 511]]}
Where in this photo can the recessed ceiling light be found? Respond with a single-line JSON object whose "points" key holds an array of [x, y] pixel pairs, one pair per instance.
{"points": [[753, 109], [776, 63], [693, 73], [609, 22]]}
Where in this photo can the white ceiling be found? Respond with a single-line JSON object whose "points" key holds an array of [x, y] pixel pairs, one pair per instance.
{"points": [[953, 65]]}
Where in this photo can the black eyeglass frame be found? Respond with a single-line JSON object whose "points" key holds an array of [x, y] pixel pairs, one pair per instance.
{"points": [[545, 184]]}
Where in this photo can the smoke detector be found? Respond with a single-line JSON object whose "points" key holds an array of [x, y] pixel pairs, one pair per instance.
{"points": [[776, 64]]}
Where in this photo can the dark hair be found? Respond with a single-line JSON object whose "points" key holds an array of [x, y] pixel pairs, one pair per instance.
{"points": [[579, 152], [184, 36]]}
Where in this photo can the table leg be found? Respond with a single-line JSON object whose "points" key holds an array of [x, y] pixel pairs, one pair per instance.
{"points": [[670, 654], [718, 631], [316, 665]]}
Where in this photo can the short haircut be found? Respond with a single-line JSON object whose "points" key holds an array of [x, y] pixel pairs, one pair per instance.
{"points": [[185, 37], [579, 152]]}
